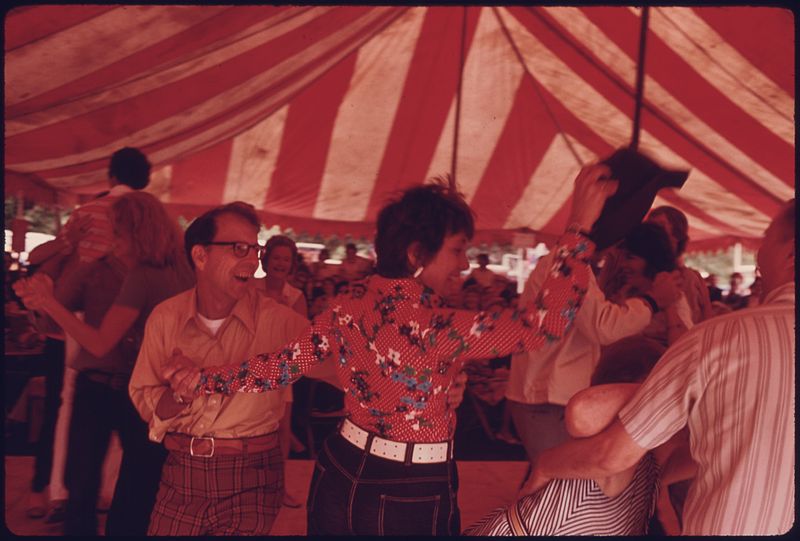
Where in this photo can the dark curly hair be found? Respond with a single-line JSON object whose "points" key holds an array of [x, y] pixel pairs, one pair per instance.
{"points": [[650, 242], [424, 215]]}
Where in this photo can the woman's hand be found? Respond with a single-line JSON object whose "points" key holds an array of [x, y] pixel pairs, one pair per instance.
{"points": [[665, 289], [593, 186], [182, 374]]}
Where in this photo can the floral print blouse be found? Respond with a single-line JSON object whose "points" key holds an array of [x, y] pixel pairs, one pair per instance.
{"points": [[397, 347]]}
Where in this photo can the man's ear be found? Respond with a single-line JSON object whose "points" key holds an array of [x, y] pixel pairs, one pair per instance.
{"points": [[199, 256]]}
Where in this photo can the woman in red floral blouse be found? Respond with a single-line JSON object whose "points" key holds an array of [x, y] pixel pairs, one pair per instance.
{"points": [[397, 349]]}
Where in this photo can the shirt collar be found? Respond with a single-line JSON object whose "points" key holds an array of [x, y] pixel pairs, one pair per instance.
{"points": [[243, 310], [119, 189], [781, 294]]}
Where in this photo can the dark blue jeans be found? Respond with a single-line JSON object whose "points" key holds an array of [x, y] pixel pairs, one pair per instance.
{"points": [[355, 493]]}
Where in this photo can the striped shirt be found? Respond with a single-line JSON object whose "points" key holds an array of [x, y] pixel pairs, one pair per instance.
{"points": [[100, 238], [578, 507], [731, 379]]}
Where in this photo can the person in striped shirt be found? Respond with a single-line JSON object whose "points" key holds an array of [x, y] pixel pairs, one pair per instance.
{"points": [[128, 170], [730, 380]]}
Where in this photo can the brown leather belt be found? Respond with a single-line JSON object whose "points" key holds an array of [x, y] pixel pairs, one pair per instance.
{"points": [[208, 446]]}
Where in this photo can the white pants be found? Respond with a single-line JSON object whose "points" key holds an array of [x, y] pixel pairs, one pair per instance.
{"points": [[58, 490]]}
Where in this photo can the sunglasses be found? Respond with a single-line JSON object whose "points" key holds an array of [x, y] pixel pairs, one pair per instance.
{"points": [[240, 249]]}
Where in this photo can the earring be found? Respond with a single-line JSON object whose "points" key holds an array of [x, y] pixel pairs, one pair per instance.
{"points": [[418, 271]]}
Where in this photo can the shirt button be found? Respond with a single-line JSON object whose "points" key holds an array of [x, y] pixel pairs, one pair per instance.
{"points": [[201, 425]]}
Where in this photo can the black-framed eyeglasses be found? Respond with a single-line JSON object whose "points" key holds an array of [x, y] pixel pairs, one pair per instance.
{"points": [[240, 249]]}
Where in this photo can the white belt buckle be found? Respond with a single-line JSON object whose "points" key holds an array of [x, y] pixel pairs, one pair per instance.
{"points": [[191, 446]]}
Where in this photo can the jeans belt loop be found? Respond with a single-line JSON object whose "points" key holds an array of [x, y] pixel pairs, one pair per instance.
{"points": [[191, 446]]}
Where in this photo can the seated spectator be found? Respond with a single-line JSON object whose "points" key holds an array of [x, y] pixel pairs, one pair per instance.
{"points": [[354, 267], [482, 274], [714, 292], [320, 269], [735, 297], [676, 225]]}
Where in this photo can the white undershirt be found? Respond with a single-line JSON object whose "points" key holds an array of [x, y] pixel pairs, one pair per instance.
{"points": [[212, 324]]}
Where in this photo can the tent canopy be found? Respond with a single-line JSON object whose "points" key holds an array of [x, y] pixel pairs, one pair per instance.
{"points": [[318, 114]]}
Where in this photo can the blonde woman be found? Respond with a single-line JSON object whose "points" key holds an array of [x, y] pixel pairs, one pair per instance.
{"points": [[145, 266]]}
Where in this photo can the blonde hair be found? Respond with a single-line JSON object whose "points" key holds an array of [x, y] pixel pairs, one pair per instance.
{"points": [[155, 238]]}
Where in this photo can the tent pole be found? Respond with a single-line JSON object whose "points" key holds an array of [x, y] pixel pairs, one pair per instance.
{"points": [[640, 78], [458, 100]]}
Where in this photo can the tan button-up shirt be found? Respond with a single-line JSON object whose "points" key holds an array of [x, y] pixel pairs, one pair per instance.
{"points": [[257, 324]]}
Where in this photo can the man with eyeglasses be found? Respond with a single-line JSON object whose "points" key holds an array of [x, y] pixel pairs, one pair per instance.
{"points": [[224, 472]]}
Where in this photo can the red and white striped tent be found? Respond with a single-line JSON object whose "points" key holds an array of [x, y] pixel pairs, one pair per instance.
{"points": [[317, 114]]}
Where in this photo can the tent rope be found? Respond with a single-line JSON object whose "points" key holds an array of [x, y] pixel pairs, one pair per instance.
{"points": [[535, 83], [456, 130], [637, 111]]}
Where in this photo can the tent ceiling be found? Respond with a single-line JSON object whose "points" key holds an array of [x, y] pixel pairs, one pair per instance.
{"points": [[318, 114]]}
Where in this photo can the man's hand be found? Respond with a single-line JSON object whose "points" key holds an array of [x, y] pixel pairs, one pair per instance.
{"points": [[593, 186], [36, 292], [455, 394], [535, 482], [182, 374], [665, 290]]}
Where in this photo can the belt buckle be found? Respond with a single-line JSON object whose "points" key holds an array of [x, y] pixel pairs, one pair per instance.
{"points": [[191, 446]]}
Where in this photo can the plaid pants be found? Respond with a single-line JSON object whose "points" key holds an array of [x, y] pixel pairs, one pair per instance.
{"points": [[220, 495]]}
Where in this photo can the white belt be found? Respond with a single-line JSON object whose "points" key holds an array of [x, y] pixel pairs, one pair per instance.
{"points": [[421, 453]]}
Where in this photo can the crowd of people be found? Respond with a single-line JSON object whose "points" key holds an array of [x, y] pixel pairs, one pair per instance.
{"points": [[641, 407]]}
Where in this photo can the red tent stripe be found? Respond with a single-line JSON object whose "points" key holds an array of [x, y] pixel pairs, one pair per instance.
{"points": [[757, 33], [214, 30], [306, 140], [173, 100], [26, 24], [201, 177], [423, 107], [699, 97], [519, 150], [617, 96]]}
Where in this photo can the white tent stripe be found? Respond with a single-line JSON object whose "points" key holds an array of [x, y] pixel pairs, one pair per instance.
{"points": [[59, 65], [442, 159], [550, 185], [583, 30], [721, 51], [201, 112], [614, 127], [489, 90], [162, 75], [254, 154], [708, 67], [364, 120]]}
